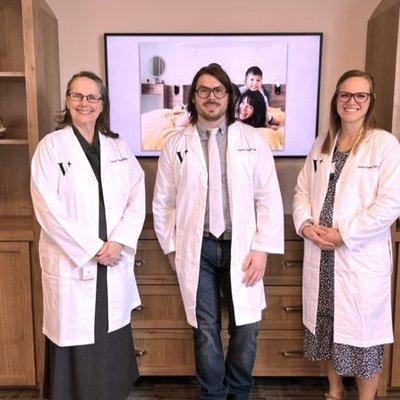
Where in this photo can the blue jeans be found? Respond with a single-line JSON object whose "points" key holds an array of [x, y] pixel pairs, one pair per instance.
{"points": [[221, 379]]}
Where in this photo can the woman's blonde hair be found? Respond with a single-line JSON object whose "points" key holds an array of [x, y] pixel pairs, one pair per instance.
{"points": [[335, 122]]}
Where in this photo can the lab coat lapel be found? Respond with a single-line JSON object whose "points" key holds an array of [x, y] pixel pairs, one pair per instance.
{"points": [[78, 157], [323, 168], [104, 154], [232, 134], [108, 184]]}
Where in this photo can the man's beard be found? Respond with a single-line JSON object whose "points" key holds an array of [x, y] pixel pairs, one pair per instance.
{"points": [[208, 116]]}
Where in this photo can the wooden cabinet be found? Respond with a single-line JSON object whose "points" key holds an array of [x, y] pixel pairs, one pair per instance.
{"points": [[394, 378], [163, 339], [17, 362], [29, 99], [383, 62], [16, 334]]}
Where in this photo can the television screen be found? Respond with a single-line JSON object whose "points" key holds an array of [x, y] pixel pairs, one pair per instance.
{"points": [[275, 77]]}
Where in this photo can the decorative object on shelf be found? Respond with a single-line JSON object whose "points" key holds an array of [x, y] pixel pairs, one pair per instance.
{"points": [[2, 128]]}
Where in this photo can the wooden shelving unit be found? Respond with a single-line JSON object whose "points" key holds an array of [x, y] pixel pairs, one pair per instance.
{"points": [[6, 142], [29, 99], [10, 76]]}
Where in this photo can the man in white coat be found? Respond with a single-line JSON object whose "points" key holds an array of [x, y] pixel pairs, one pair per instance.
{"points": [[217, 214]]}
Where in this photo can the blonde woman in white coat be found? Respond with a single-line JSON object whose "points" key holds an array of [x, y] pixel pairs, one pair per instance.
{"points": [[88, 195], [347, 196]]}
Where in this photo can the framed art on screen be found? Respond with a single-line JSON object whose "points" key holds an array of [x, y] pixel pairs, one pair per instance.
{"points": [[149, 76]]}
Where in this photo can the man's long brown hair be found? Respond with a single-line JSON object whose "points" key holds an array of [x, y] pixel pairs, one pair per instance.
{"points": [[335, 122], [218, 73]]}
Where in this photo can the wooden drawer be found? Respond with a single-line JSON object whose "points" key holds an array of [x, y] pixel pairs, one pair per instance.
{"points": [[285, 269], [170, 352], [284, 310], [162, 308], [165, 352], [152, 267], [280, 353]]}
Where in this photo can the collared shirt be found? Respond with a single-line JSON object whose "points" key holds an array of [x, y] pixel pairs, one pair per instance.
{"points": [[222, 141]]}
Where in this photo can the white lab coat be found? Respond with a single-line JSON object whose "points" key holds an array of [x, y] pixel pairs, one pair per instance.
{"points": [[367, 202], [67, 208], [255, 206]]}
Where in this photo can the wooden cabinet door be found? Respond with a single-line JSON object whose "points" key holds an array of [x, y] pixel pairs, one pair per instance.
{"points": [[16, 326], [395, 378]]}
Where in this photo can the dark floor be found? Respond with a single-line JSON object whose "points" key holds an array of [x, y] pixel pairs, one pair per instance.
{"points": [[156, 388]]}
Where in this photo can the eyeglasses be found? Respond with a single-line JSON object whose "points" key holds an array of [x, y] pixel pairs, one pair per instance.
{"points": [[91, 98], [359, 97], [219, 92]]}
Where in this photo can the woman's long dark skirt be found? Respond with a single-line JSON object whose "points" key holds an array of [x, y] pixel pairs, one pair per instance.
{"points": [[105, 370]]}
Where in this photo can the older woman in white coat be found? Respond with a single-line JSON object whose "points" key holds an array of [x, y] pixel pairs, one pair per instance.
{"points": [[88, 194], [347, 196]]}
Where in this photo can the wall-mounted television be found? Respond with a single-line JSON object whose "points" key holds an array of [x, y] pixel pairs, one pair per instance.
{"points": [[149, 76]]}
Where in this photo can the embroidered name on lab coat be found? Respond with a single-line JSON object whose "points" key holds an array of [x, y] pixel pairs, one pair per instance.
{"points": [[119, 160], [368, 166], [247, 149]]}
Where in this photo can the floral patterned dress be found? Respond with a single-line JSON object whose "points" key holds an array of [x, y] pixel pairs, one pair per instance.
{"points": [[346, 360]]}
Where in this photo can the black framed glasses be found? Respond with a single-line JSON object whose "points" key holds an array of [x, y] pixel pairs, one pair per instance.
{"points": [[359, 97], [219, 92], [90, 98]]}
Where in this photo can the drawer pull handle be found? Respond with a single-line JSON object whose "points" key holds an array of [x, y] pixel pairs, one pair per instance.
{"points": [[293, 308], [293, 264], [139, 263], [140, 353], [139, 308], [292, 354]]}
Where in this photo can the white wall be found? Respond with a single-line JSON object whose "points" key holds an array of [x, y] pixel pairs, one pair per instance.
{"points": [[343, 23]]}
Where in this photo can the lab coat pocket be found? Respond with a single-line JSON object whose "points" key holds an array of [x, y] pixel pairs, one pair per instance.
{"points": [[245, 176], [68, 269], [373, 258], [371, 298], [245, 165], [120, 176], [66, 180], [55, 263], [366, 180]]}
